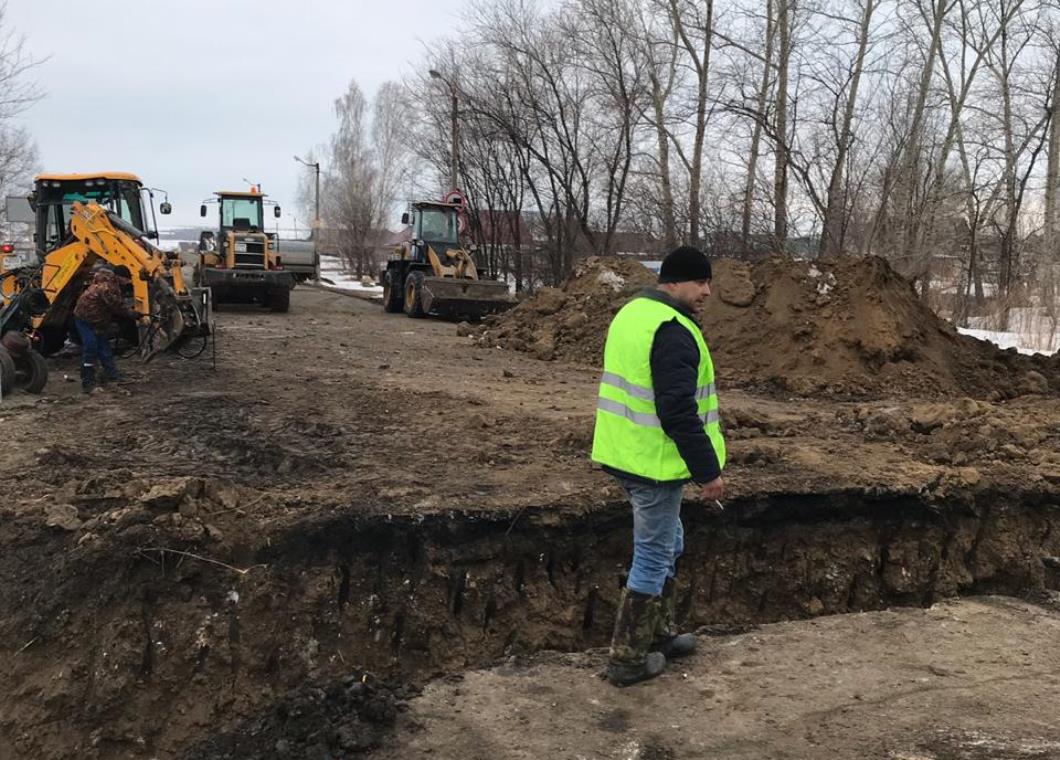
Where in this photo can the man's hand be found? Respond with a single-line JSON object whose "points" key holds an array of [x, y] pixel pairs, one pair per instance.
{"points": [[713, 490]]}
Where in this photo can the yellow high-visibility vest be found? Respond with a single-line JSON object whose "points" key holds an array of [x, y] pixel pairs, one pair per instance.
{"points": [[628, 434]]}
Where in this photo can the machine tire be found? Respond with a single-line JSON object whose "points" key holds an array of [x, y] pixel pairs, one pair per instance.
{"points": [[280, 300], [414, 295], [7, 372], [393, 295], [31, 372]]}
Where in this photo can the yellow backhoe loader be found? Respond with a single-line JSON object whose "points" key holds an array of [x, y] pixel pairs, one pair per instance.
{"points": [[82, 220], [433, 274]]}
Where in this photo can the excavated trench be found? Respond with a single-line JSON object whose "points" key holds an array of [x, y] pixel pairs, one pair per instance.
{"points": [[167, 649], [416, 598]]}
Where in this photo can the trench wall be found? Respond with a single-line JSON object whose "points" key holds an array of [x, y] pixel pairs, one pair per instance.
{"points": [[140, 651]]}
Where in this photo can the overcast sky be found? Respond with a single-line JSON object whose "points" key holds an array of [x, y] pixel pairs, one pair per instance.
{"points": [[196, 95]]}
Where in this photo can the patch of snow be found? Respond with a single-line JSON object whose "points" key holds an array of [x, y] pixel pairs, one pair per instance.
{"points": [[333, 273], [989, 289], [612, 279], [1007, 339]]}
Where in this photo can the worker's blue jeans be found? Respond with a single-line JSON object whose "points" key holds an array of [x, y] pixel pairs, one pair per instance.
{"points": [[658, 536], [93, 347]]}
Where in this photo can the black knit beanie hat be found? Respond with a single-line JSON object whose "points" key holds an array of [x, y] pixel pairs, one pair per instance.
{"points": [[684, 264]]}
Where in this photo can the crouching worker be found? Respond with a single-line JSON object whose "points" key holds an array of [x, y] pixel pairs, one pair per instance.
{"points": [[97, 307], [657, 428]]}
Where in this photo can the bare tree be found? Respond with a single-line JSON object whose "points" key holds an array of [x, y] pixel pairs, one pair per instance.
{"points": [[18, 152], [1052, 178], [780, 105], [833, 224], [694, 25], [764, 85], [366, 166]]}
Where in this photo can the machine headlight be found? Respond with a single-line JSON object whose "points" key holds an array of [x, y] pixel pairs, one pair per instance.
{"points": [[241, 247]]}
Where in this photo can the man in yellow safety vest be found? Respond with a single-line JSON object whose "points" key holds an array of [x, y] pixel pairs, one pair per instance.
{"points": [[657, 428]]}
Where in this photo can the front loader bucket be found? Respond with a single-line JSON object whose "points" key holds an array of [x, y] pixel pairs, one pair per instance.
{"points": [[167, 323], [455, 297]]}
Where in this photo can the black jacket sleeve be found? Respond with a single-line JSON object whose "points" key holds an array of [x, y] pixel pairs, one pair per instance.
{"points": [[675, 376]]}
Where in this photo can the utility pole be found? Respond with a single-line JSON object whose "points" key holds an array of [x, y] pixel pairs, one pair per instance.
{"points": [[316, 220], [454, 167]]}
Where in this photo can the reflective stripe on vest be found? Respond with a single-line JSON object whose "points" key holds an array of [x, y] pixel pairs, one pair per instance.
{"points": [[643, 418], [628, 435], [610, 378]]}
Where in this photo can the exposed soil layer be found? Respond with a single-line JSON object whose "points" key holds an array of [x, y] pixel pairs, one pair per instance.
{"points": [[140, 640], [847, 327], [194, 561]]}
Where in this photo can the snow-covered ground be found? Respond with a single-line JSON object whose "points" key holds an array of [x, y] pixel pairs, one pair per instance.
{"points": [[1030, 331], [333, 273], [175, 245]]}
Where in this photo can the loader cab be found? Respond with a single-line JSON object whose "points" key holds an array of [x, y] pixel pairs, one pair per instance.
{"points": [[434, 224], [240, 211], [120, 193], [241, 227]]}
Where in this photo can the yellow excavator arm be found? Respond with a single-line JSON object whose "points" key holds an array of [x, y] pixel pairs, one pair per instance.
{"points": [[100, 235], [158, 288]]}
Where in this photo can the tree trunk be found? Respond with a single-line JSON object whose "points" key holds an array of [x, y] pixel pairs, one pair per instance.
{"points": [[756, 136], [835, 209], [1052, 181], [910, 168], [665, 184], [780, 169], [701, 64]]}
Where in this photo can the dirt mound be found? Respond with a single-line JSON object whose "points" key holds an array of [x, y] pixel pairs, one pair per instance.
{"points": [[840, 328], [570, 323], [851, 327]]}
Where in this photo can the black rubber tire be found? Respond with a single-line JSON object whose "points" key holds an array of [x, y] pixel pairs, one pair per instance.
{"points": [[280, 300], [31, 372], [414, 295], [393, 295], [7, 372]]}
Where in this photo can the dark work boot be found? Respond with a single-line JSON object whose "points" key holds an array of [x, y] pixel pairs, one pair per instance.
{"points": [[88, 378], [667, 640], [635, 624]]}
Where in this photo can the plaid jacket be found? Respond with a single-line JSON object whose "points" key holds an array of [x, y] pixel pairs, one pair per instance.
{"points": [[101, 303]]}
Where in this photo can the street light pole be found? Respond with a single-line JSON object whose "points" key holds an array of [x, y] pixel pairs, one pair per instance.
{"points": [[454, 154], [316, 220]]}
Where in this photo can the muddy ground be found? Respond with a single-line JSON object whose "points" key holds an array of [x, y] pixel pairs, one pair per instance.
{"points": [[966, 679], [269, 558]]}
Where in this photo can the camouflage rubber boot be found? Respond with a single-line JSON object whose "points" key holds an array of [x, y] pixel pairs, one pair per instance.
{"points": [[667, 640], [631, 660]]}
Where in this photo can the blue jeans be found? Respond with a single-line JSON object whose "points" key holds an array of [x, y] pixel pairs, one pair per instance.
{"points": [[92, 346], [658, 536]]}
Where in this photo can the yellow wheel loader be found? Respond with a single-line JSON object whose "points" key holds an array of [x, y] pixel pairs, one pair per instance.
{"points": [[434, 275], [240, 263], [82, 220]]}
